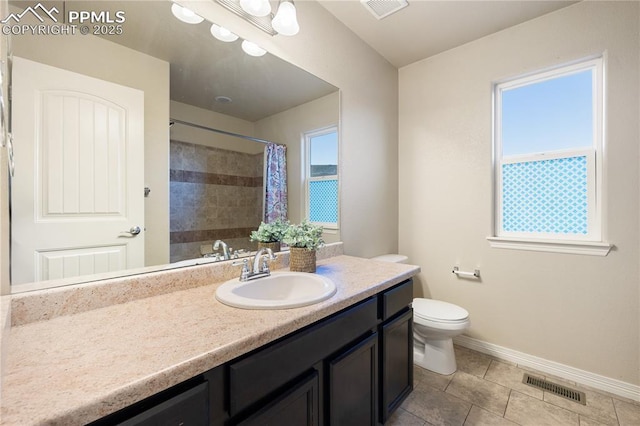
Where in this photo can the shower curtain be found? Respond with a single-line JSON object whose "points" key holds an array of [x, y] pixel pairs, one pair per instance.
{"points": [[275, 206]]}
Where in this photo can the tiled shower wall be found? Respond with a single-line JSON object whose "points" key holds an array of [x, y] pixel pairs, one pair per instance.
{"points": [[216, 194]]}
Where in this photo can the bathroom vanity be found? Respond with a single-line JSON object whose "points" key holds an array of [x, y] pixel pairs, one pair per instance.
{"points": [[343, 361], [353, 368]]}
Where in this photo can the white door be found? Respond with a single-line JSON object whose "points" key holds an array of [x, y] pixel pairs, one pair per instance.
{"points": [[79, 174]]}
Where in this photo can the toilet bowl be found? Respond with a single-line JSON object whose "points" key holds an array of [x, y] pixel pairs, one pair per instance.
{"points": [[435, 324]]}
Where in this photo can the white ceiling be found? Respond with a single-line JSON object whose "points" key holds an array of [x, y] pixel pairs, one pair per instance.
{"points": [[428, 27]]}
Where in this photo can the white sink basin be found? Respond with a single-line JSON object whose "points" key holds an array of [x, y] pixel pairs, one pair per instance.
{"points": [[280, 290]]}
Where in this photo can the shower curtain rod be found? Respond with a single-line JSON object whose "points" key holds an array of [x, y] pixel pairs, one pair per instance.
{"points": [[211, 129]]}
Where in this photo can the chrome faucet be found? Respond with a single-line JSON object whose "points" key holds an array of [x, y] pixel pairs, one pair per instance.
{"points": [[258, 270], [225, 249]]}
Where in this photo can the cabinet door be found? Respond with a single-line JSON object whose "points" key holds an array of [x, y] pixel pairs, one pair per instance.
{"points": [[190, 408], [297, 406], [397, 362], [353, 382]]}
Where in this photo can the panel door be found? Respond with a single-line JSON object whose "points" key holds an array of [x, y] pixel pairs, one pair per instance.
{"points": [[79, 176], [298, 406], [397, 362], [353, 382]]}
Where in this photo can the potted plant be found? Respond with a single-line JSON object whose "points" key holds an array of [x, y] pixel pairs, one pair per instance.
{"points": [[270, 235], [303, 241]]}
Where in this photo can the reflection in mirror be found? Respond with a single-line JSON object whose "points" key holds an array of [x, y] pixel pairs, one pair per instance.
{"points": [[104, 125]]}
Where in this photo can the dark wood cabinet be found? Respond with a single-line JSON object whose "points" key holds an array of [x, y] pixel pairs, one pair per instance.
{"points": [[396, 362], [297, 406], [353, 385], [352, 368]]}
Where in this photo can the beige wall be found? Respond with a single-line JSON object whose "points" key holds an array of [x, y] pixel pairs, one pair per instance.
{"points": [[578, 310], [203, 117], [102, 59], [368, 121], [287, 128]]}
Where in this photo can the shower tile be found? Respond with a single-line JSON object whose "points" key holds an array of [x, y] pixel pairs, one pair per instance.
{"points": [[429, 378], [175, 155], [188, 155], [477, 391], [528, 411], [628, 412], [510, 376], [480, 417], [404, 418], [435, 407], [472, 362]]}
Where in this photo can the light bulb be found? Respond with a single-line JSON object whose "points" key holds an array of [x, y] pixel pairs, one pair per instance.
{"points": [[256, 7], [222, 34], [185, 15], [285, 22], [250, 48]]}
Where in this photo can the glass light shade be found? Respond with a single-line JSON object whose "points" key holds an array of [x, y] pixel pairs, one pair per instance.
{"points": [[250, 48], [185, 15], [256, 7], [223, 34], [285, 22]]}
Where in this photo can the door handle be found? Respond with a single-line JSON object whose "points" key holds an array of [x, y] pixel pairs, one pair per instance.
{"points": [[135, 230]]}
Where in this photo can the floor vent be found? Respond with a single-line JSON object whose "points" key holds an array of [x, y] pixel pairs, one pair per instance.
{"points": [[383, 8], [563, 391]]}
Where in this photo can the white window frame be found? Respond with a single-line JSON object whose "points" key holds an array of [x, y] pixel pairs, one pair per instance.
{"points": [[593, 242], [307, 136]]}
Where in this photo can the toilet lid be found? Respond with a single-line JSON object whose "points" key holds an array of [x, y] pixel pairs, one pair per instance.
{"points": [[395, 258], [438, 310]]}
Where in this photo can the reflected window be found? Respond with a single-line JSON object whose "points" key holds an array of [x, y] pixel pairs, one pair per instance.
{"points": [[321, 177]]}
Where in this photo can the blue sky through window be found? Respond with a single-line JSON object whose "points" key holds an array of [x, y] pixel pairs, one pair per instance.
{"points": [[550, 115], [324, 149]]}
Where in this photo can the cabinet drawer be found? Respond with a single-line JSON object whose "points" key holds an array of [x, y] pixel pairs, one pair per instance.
{"points": [[263, 372], [396, 299]]}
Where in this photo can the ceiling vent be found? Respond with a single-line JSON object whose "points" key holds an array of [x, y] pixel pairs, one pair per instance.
{"points": [[383, 8]]}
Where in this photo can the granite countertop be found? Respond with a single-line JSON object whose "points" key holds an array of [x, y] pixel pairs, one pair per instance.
{"points": [[73, 369]]}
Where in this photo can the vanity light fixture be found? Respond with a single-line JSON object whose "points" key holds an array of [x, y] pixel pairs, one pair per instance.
{"points": [[185, 15], [256, 7], [285, 22], [252, 49], [223, 34]]}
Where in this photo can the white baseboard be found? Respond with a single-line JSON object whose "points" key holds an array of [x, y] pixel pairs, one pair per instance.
{"points": [[596, 381]]}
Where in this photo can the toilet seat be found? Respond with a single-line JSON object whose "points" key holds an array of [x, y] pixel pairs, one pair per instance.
{"points": [[439, 311]]}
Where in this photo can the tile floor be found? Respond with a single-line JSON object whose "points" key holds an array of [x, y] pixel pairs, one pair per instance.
{"points": [[486, 391]]}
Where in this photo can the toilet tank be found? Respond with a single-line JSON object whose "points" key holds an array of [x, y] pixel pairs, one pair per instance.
{"points": [[395, 258]]}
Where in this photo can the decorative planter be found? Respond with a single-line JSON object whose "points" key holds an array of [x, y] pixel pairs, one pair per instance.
{"points": [[274, 246], [302, 260]]}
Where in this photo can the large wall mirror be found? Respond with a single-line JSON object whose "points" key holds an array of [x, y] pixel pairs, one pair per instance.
{"points": [[104, 186]]}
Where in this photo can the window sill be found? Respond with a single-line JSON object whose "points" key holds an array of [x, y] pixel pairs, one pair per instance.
{"points": [[571, 247]]}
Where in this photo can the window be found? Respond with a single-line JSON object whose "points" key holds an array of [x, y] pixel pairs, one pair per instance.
{"points": [[548, 160], [321, 177]]}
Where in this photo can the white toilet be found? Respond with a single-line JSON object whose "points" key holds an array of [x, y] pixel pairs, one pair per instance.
{"points": [[435, 323]]}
